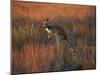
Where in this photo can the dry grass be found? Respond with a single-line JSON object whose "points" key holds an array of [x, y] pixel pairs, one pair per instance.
{"points": [[32, 51]]}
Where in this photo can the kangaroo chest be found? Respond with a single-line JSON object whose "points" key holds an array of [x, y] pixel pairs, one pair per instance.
{"points": [[48, 30]]}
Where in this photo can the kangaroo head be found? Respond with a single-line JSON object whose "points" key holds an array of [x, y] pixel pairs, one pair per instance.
{"points": [[46, 26], [45, 22]]}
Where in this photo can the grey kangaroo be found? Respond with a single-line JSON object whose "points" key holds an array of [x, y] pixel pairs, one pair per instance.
{"points": [[62, 49], [61, 41]]}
